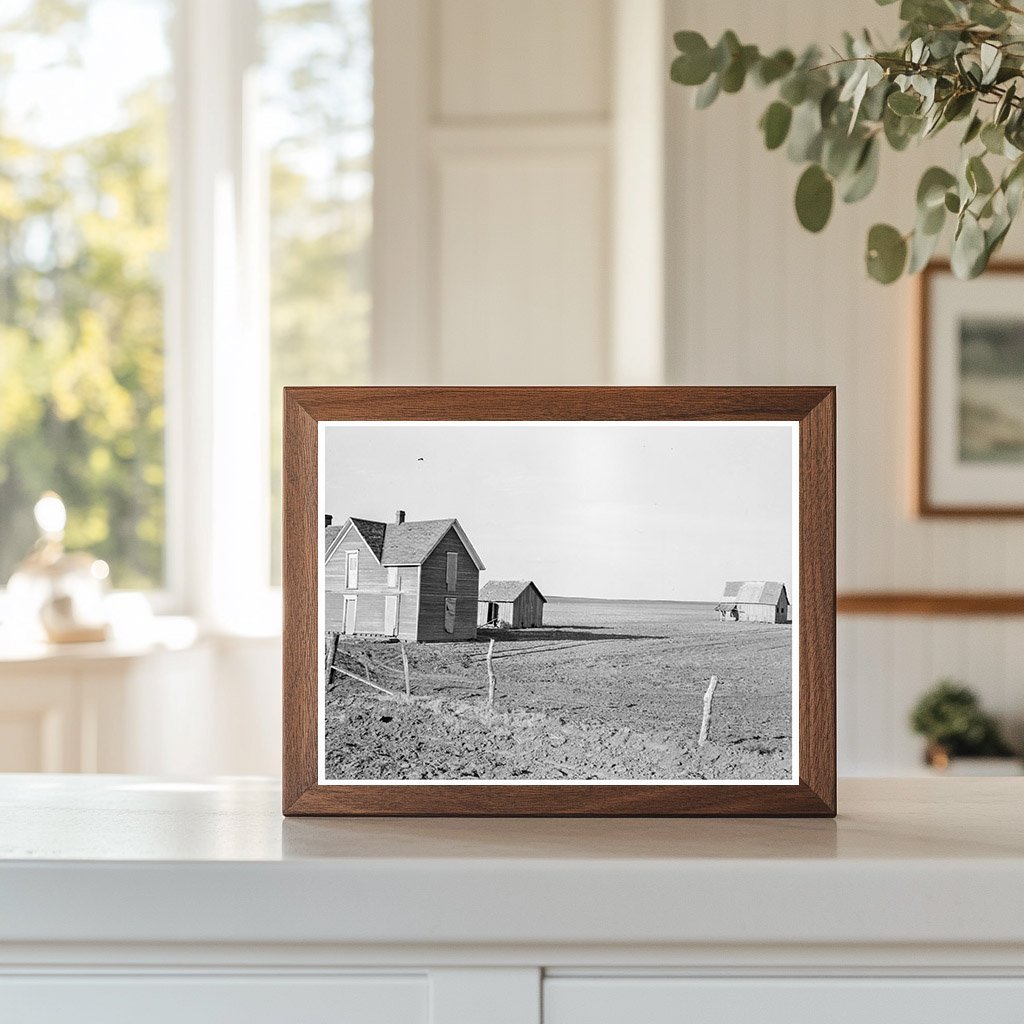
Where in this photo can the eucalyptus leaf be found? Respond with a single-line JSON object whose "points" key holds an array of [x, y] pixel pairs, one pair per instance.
{"points": [[805, 133], [691, 70], [794, 88], [775, 124], [987, 15], [707, 93], [973, 130], [724, 51], [840, 152], [931, 222], [865, 174], [958, 105], [771, 69], [900, 130], [873, 106], [968, 248], [993, 138], [1005, 105], [903, 103], [1013, 187], [814, 196], [735, 74], [991, 60], [922, 247], [931, 190], [978, 176], [886, 253]]}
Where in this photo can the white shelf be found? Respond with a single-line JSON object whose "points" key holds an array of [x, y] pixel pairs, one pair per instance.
{"points": [[121, 859]]}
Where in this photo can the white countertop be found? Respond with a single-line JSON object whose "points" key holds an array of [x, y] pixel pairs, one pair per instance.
{"points": [[123, 859]]}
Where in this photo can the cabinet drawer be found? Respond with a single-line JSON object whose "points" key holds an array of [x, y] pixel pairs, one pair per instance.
{"points": [[202, 999], [625, 1000]]}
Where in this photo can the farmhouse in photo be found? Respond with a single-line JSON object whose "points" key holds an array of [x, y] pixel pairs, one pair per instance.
{"points": [[515, 603], [413, 580], [761, 601]]}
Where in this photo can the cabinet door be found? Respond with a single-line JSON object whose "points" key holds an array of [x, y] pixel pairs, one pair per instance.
{"points": [[202, 999], [783, 1000]]}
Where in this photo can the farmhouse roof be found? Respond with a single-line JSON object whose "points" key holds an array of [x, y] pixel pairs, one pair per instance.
{"points": [[408, 543], [753, 592], [507, 590]]}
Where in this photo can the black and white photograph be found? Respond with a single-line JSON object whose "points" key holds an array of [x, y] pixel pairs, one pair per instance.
{"points": [[557, 602]]}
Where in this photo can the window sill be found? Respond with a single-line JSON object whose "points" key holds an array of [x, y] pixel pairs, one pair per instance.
{"points": [[161, 633]]}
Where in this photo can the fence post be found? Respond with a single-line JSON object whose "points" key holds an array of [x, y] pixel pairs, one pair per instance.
{"points": [[490, 673], [705, 723], [334, 652], [405, 667]]}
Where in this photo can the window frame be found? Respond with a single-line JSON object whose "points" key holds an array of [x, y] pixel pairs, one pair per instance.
{"points": [[215, 319]]}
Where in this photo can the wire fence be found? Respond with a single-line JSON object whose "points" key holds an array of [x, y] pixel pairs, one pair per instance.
{"points": [[396, 679]]}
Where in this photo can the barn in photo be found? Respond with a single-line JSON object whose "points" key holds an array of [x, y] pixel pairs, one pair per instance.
{"points": [[413, 580], [754, 601], [515, 603]]}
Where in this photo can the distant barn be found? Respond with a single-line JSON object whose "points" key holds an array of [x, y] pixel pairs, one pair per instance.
{"points": [[414, 580], [516, 603], [754, 601]]}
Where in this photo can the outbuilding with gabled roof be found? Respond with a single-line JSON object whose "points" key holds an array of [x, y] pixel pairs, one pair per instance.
{"points": [[515, 603], [754, 601]]}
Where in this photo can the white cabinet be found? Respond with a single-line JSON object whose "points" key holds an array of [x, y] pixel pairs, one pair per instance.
{"points": [[201, 999], [126, 899], [823, 1000]]}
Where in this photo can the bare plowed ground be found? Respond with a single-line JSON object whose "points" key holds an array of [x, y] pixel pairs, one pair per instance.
{"points": [[604, 690]]}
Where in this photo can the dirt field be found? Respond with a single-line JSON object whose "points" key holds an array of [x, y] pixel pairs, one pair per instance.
{"points": [[605, 690]]}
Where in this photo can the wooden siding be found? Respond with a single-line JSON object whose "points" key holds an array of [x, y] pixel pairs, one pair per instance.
{"points": [[759, 613], [529, 608], [371, 590], [434, 590]]}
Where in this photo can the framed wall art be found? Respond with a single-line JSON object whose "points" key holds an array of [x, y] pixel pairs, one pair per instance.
{"points": [[970, 423], [559, 601]]}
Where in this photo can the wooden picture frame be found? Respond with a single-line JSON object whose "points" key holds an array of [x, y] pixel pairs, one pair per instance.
{"points": [[931, 446], [810, 792]]}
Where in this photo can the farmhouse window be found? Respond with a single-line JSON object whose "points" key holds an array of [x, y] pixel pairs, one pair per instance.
{"points": [[351, 570], [392, 575], [452, 570], [449, 614]]}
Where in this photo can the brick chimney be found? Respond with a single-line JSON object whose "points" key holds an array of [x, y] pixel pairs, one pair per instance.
{"points": [[400, 516], [328, 519]]}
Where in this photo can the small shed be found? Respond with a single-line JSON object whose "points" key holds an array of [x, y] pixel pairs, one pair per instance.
{"points": [[754, 601], [515, 603]]}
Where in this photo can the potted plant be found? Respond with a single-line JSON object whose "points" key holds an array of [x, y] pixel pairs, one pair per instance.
{"points": [[956, 62], [950, 718]]}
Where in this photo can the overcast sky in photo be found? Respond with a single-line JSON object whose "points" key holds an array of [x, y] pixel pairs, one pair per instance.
{"points": [[655, 511]]}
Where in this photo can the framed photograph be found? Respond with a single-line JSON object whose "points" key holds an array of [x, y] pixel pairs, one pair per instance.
{"points": [[559, 601], [970, 445]]}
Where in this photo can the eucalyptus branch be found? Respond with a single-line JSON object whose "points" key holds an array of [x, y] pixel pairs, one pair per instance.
{"points": [[954, 60]]}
